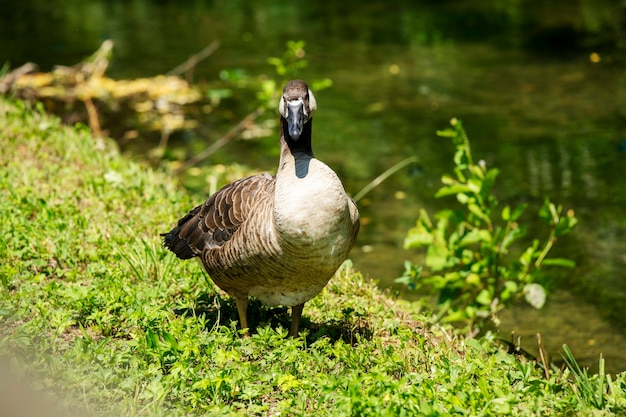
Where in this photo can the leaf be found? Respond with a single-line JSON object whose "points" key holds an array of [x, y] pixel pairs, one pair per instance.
{"points": [[459, 171], [506, 213], [527, 257], [170, 340], [453, 316], [571, 221], [544, 212], [411, 276], [566, 263], [417, 236], [448, 180], [475, 209], [425, 219], [477, 171], [288, 381], [535, 295], [460, 157], [443, 220], [512, 236], [510, 289], [152, 339], [436, 281], [490, 179], [463, 198], [518, 212], [554, 210], [452, 189], [474, 185], [404, 279], [565, 225], [436, 257], [474, 236], [484, 297], [446, 133], [472, 279], [453, 279]]}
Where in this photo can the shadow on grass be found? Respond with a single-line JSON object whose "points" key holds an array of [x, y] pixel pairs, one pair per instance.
{"points": [[223, 311]]}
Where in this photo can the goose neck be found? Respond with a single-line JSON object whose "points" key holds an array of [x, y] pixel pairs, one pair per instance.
{"points": [[293, 147]]}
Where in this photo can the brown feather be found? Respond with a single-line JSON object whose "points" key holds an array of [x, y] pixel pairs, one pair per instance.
{"points": [[213, 223]]}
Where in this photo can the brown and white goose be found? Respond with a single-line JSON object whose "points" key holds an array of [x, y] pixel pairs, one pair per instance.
{"points": [[279, 239]]}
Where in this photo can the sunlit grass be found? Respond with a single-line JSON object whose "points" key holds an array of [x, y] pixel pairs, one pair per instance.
{"points": [[97, 315]]}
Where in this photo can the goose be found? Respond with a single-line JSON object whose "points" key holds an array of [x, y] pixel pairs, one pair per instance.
{"points": [[277, 238]]}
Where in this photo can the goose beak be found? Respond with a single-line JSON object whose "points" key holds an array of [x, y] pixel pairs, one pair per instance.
{"points": [[295, 118]]}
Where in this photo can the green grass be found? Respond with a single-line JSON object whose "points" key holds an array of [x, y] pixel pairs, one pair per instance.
{"points": [[95, 314]]}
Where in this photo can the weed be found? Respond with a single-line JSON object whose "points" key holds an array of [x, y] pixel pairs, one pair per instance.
{"points": [[469, 262], [590, 391]]}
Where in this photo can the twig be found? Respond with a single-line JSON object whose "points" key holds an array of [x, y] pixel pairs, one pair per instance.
{"points": [[92, 112], [7, 81], [542, 355], [94, 122], [382, 177], [230, 135], [165, 137], [194, 59]]}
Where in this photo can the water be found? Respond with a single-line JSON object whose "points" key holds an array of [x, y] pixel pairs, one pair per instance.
{"points": [[541, 91]]}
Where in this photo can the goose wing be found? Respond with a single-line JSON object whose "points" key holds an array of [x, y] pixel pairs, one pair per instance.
{"points": [[213, 223]]}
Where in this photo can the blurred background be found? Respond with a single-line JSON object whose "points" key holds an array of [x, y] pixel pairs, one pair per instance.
{"points": [[540, 87]]}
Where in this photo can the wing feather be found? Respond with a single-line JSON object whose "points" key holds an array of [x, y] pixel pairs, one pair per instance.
{"points": [[214, 222]]}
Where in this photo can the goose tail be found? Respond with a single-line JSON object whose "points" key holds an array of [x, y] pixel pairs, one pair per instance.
{"points": [[180, 247], [174, 240]]}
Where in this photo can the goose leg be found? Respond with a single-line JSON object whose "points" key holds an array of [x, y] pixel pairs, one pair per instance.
{"points": [[242, 310], [296, 313]]}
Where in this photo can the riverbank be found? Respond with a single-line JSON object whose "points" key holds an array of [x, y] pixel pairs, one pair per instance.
{"points": [[95, 313]]}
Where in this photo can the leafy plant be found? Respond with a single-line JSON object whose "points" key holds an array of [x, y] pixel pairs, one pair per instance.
{"points": [[469, 262], [293, 60]]}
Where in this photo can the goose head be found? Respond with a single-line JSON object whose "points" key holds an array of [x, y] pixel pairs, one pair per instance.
{"points": [[297, 106]]}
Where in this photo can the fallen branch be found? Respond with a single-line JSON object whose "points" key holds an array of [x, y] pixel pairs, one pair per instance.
{"points": [[155, 103]]}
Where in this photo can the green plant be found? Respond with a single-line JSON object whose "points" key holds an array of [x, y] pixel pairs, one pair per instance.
{"points": [[469, 262], [293, 60], [590, 391]]}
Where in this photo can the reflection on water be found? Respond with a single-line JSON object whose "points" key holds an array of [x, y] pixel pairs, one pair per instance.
{"points": [[536, 101]]}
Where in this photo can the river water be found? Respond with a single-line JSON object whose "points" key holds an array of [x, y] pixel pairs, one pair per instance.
{"points": [[541, 90]]}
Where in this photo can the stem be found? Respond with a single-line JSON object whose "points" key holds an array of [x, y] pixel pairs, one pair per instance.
{"points": [[546, 249], [193, 60], [382, 177]]}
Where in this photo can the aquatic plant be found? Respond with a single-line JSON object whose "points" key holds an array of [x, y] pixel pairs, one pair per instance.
{"points": [[470, 262]]}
